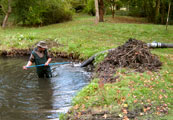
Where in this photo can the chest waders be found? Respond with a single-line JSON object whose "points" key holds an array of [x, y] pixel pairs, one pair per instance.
{"points": [[42, 70]]}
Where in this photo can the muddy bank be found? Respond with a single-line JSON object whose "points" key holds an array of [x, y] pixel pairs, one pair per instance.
{"points": [[27, 52]]}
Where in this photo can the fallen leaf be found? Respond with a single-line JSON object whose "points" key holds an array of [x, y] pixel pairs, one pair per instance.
{"points": [[125, 118], [166, 96], [135, 101], [141, 114], [105, 116], [145, 110], [125, 105], [160, 96], [124, 111], [148, 108], [123, 99], [79, 114], [120, 115]]}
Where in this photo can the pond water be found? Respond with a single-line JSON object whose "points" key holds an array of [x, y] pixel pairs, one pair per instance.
{"points": [[23, 96]]}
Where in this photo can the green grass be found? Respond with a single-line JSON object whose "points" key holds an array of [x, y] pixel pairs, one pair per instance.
{"points": [[82, 36], [133, 91]]}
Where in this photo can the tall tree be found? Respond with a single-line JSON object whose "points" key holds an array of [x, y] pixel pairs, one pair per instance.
{"points": [[157, 10], [97, 11], [101, 10], [112, 5], [7, 9]]}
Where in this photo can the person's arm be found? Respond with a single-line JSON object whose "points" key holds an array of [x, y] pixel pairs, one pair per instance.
{"points": [[30, 61], [28, 64], [48, 61]]}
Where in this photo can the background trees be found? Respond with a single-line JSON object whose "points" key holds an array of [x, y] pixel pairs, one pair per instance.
{"points": [[6, 9], [44, 12], [36, 12], [155, 10]]}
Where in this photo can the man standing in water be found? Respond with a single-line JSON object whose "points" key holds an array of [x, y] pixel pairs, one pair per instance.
{"points": [[40, 56]]}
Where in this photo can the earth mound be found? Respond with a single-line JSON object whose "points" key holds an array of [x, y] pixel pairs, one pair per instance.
{"points": [[133, 54]]}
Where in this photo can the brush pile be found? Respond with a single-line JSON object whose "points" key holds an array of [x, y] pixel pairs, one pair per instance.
{"points": [[133, 54]]}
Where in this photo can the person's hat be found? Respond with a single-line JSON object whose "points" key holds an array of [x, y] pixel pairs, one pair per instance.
{"points": [[42, 44]]}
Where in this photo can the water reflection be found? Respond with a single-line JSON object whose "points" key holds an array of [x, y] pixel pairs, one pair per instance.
{"points": [[23, 96]]}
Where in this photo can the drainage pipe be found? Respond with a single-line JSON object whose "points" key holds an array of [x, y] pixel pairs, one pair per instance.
{"points": [[159, 45], [88, 61]]}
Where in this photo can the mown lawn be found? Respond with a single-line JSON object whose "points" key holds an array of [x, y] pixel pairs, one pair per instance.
{"points": [[82, 36], [150, 92]]}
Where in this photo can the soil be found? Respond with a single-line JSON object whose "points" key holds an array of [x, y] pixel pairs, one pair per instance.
{"points": [[27, 52], [133, 54], [124, 19], [102, 114]]}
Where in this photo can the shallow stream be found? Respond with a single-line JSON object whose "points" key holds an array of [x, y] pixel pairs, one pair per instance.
{"points": [[23, 96]]}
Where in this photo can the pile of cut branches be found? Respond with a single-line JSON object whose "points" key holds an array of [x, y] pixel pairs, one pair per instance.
{"points": [[133, 54]]}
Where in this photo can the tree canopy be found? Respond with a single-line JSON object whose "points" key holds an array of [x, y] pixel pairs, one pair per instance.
{"points": [[44, 12]]}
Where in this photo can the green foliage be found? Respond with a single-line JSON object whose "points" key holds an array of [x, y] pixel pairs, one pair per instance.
{"points": [[77, 5], [3, 6], [90, 8], [31, 12], [149, 9], [33, 16], [56, 12]]}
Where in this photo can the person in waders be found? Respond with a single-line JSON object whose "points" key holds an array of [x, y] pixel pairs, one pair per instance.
{"points": [[40, 56]]}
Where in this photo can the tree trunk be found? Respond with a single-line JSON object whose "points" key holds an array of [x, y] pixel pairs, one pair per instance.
{"points": [[113, 10], [7, 14], [157, 11], [101, 11], [168, 15], [163, 13], [97, 11]]}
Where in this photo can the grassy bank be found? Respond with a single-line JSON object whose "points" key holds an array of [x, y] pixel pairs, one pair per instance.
{"points": [[139, 96], [82, 37], [145, 95]]}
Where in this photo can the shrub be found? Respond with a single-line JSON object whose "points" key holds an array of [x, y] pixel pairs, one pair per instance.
{"points": [[55, 12], [31, 12], [77, 6], [90, 8]]}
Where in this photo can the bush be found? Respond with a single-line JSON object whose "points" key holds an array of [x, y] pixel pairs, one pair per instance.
{"points": [[31, 12], [56, 12], [77, 6], [90, 8]]}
